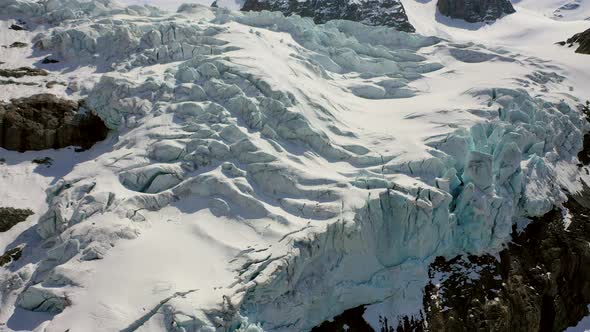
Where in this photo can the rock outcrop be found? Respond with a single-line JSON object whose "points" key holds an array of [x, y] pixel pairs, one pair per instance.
{"points": [[389, 13], [581, 39], [22, 72], [11, 255], [16, 27], [45, 121], [17, 44], [541, 283], [475, 10], [11, 216]]}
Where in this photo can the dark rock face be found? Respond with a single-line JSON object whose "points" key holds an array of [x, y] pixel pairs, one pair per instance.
{"points": [[23, 71], [541, 283], [16, 27], [18, 45], [48, 60], [47, 161], [20, 25], [46, 122], [389, 13], [583, 40], [11, 216], [350, 320], [13, 82], [475, 10], [11, 256], [51, 84]]}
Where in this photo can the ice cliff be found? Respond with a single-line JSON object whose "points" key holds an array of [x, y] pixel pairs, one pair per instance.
{"points": [[250, 116]]}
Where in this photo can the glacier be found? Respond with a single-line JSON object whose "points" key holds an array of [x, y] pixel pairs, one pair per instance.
{"points": [[255, 119]]}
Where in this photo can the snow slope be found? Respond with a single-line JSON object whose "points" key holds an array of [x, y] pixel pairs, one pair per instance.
{"points": [[268, 173]]}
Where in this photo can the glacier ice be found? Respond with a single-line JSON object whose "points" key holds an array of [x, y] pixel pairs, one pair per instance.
{"points": [[192, 122]]}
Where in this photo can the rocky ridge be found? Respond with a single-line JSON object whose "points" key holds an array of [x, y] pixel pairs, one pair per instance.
{"points": [[475, 10], [389, 13], [582, 40]]}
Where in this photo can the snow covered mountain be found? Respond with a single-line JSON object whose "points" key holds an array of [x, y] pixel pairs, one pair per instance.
{"points": [[265, 172]]}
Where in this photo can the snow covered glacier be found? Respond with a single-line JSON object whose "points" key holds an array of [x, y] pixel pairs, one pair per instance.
{"points": [[267, 173]]}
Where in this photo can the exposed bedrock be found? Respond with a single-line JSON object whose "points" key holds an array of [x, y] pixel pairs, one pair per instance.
{"points": [[370, 12], [45, 121], [581, 40], [11, 255], [23, 71], [542, 282], [475, 10], [11, 216]]}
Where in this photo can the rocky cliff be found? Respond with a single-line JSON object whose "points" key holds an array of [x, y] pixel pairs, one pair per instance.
{"points": [[540, 283], [475, 10], [44, 121], [370, 12], [582, 40]]}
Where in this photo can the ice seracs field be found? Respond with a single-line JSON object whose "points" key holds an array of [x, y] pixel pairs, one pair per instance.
{"points": [[266, 173]]}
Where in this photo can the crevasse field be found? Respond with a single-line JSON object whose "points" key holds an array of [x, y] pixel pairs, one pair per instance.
{"points": [[264, 173]]}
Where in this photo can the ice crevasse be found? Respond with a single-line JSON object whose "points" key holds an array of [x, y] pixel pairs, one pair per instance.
{"points": [[350, 224]]}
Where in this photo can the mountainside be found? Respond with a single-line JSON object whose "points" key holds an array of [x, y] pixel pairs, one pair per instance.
{"points": [[475, 10], [389, 13], [268, 173]]}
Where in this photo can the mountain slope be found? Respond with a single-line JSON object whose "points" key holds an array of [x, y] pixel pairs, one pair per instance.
{"points": [[371, 12], [266, 172], [475, 11]]}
